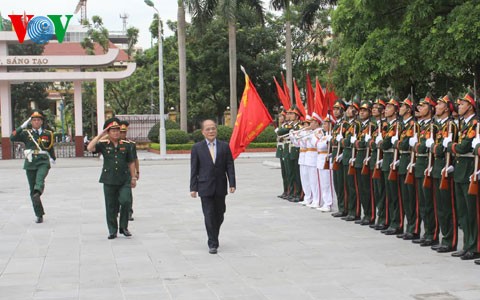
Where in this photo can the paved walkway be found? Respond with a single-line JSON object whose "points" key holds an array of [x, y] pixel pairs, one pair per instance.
{"points": [[270, 248]]}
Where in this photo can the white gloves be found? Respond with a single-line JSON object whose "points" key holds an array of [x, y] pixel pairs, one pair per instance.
{"points": [[52, 162], [367, 137], [429, 142], [328, 137], [427, 170], [351, 161], [475, 142], [449, 169], [365, 161], [413, 140], [339, 158], [25, 124], [276, 129], [447, 140], [353, 139], [409, 166], [394, 139], [379, 163], [378, 139], [339, 138]]}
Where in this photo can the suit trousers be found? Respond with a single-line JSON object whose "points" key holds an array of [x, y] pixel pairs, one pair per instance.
{"points": [[36, 182], [118, 198], [213, 211]]}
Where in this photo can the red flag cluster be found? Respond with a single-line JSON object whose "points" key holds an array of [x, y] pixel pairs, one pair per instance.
{"points": [[318, 101]]}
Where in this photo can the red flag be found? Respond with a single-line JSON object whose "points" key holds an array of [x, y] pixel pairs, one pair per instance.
{"points": [[310, 96], [285, 88], [298, 101], [320, 102], [252, 118], [281, 95]]}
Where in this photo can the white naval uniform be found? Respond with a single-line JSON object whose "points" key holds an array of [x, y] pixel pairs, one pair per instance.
{"points": [[327, 192], [311, 170], [301, 143]]}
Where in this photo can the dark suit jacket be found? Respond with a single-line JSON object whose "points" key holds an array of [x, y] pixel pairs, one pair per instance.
{"points": [[207, 178]]}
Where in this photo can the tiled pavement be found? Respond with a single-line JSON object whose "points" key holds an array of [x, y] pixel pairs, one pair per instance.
{"points": [[270, 248]]}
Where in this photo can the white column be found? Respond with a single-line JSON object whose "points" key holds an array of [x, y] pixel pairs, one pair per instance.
{"points": [[77, 103], [6, 103], [100, 104]]}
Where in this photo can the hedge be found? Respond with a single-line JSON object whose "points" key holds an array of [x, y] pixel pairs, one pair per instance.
{"points": [[177, 136], [155, 130], [224, 133], [266, 136], [188, 146], [197, 135]]}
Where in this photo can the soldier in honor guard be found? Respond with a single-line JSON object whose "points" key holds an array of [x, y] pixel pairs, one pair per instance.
{"points": [[123, 136], [295, 184], [442, 175], [464, 168], [406, 169], [323, 164], [393, 212], [339, 129], [118, 176], [298, 140], [39, 156], [311, 160], [363, 178], [423, 167], [378, 180], [353, 130], [283, 134], [279, 153]]}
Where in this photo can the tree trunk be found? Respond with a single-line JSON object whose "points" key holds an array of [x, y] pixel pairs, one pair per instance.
{"points": [[232, 55], [182, 65], [288, 57]]}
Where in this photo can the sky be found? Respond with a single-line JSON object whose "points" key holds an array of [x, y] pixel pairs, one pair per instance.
{"points": [[140, 15]]}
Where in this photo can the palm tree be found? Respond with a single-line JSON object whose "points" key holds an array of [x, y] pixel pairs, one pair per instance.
{"points": [[182, 64], [310, 10]]}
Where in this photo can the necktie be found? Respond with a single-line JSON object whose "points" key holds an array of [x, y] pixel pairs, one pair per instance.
{"points": [[212, 151]]}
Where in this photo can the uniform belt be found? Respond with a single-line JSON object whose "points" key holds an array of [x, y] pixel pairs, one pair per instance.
{"points": [[422, 155], [311, 149], [37, 152], [404, 152], [388, 151], [334, 146], [466, 155], [360, 149], [322, 152], [303, 150], [279, 144]]}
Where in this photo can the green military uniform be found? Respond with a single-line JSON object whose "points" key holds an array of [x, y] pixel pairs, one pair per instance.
{"points": [[353, 195], [464, 167], [445, 208], [116, 179], [408, 193], [38, 153], [392, 203], [279, 154], [364, 180], [338, 168], [288, 179], [124, 128], [295, 182]]}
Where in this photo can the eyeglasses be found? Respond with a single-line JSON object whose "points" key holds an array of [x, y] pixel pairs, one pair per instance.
{"points": [[210, 129]]}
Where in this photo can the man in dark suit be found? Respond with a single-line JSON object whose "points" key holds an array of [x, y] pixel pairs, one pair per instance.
{"points": [[211, 165]]}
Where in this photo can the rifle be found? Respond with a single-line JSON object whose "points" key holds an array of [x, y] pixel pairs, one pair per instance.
{"points": [[377, 173], [473, 187], [427, 180], [336, 164], [410, 178], [365, 168], [351, 167], [392, 176], [444, 180], [326, 164]]}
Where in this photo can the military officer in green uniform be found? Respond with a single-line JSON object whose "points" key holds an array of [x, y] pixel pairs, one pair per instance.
{"points": [[123, 136], [393, 214], [407, 190], [283, 132], [39, 155], [295, 185], [426, 201], [464, 167], [445, 208], [363, 180], [378, 180], [338, 131], [118, 176], [280, 148]]}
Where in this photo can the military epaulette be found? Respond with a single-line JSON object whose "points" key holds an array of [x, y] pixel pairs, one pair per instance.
{"points": [[131, 142], [104, 141]]}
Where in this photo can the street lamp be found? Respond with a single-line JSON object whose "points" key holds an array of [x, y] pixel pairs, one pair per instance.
{"points": [[163, 146], [61, 108]]}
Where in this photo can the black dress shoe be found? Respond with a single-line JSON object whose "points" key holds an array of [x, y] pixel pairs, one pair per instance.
{"points": [[411, 236], [477, 262], [39, 220], [367, 222], [359, 222], [428, 242], [373, 226], [393, 231], [401, 236], [282, 195], [419, 241], [111, 236], [350, 218], [125, 232], [339, 214], [445, 249], [381, 227], [470, 255], [436, 247], [212, 250], [459, 253]]}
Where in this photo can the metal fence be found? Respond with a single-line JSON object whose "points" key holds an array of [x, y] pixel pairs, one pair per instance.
{"points": [[62, 150], [139, 126]]}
